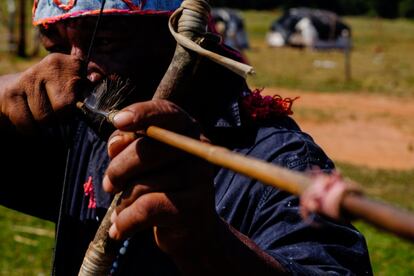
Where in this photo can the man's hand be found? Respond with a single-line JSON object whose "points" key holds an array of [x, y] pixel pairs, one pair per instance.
{"points": [[163, 187], [325, 195], [47, 88], [173, 192]]}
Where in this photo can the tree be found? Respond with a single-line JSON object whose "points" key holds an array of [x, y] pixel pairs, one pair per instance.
{"points": [[11, 26], [406, 8], [386, 8], [21, 45]]}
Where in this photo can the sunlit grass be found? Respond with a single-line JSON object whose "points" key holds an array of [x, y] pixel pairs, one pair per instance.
{"points": [[389, 255], [381, 58], [24, 252]]}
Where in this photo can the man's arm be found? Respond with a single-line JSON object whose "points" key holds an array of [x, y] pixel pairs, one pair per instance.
{"points": [[31, 172], [41, 93], [271, 218], [31, 145]]}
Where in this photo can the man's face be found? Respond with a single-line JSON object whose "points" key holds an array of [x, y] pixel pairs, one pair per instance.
{"points": [[137, 47]]}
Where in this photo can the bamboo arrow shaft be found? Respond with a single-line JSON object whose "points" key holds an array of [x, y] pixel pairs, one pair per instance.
{"points": [[268, 173], [379, 214], [382, 215]]}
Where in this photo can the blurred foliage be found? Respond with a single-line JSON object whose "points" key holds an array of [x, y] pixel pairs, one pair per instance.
{"points": [[406, 8]]}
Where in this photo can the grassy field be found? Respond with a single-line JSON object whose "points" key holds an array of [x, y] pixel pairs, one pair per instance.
{"points": [[381, 63], [389, 255], [26, 244], [381, 59]]}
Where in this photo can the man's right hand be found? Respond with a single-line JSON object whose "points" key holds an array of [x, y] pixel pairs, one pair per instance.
{"points": [[44, 90]]}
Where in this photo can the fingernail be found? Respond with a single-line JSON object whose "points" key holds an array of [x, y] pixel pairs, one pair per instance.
{"points": [[113, 216], [113, 231], [106, 183], [123, 118], [93, 77], [114, 140]]}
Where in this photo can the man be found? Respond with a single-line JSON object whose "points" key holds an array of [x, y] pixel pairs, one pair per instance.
{"points": [[181, 215]]}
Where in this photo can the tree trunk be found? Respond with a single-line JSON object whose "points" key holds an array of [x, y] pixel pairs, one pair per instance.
{"points": [[21, 47], [11, 25], [36, 42]]}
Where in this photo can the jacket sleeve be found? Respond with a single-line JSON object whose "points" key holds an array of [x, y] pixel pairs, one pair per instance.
{"points": [[316, 246], [271, 218], [31, 172]]}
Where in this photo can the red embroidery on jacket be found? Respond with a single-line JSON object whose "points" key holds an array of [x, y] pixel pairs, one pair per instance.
{"points": [[260, 107], [89, 191]]}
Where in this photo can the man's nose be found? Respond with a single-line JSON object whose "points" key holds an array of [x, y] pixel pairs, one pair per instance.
{"points": [[92, 73]]}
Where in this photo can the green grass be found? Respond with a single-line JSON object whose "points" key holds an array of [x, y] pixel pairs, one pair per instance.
{"points": [[381, 58], [389, 255], [393, 186], [23, 253]]}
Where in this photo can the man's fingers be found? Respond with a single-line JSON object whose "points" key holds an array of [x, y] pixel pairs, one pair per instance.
{"points": [[309, 205], [168, 181], [120, 178], [138, 158], [43, 89], [62, 97], [39, 104], [118, 141], [21, 115], [147, 211], [160, 113], [325, 196]]}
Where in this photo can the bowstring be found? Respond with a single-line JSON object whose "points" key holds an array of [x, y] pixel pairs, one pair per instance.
{"points": [[61, 207], [95, 31]]}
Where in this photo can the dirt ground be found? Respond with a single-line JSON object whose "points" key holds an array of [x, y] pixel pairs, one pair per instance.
{"points": [[366, 130]]}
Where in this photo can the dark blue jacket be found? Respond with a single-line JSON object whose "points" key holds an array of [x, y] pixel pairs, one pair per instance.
{"points": [[267, 215]]}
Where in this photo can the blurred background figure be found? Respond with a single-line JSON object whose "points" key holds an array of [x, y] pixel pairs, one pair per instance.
{"points": [[230, 25], [310, 28]]}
